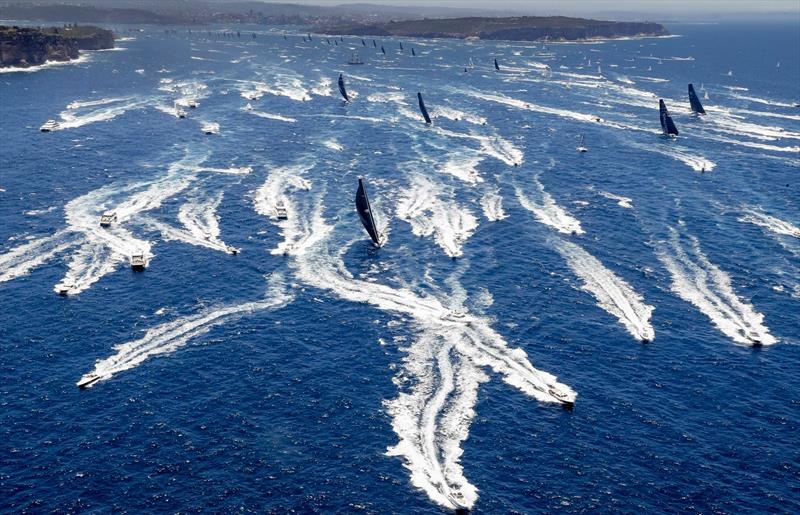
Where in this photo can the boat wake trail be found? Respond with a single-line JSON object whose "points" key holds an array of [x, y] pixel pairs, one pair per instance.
{"points": [[200, 222], [79, 114], [20, 260], [298, 232], [613, 294], [441, 374], [170, 336], [698, 281], [696, 163], [450, 224], [770, 223], [547, 211], [492, 204]]}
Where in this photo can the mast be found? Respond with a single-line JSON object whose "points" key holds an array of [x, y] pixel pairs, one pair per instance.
{"points": [[423, 109], [667, 125], [365, 213], [694, 101], [342, 89]]}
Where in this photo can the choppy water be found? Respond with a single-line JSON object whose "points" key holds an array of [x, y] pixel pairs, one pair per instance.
{"points": [[312, 371]]}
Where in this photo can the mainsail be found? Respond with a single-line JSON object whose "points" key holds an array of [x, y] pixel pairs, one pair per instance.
{"points": [[342, 89], [496, 66], [365, 213], [667, 125], [423, 109], [697, 107]]}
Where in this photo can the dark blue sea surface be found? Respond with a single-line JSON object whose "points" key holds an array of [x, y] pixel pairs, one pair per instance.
{"points": [[653, 282]]}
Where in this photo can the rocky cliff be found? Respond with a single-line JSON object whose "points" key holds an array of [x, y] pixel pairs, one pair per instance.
{"points": [[22, 47], [523, 28]]}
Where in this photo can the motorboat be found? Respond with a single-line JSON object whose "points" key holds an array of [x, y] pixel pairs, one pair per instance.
{"points": [[180, 112], [63, 289], [231, 250], [248, 107], [210, 128], [49, 125], [355, 59], [192, 103], [87, 380], [108, 218], [280, 210], [567, 401], [138, 262]]}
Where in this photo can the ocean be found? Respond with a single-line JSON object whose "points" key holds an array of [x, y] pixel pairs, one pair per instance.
{"points": [[313, 372]]}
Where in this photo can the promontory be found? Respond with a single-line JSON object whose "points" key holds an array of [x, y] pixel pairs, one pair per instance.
{"points": [[23, 46], [521, 28]]}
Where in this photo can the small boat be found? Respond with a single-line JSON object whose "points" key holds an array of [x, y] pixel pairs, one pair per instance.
{"points": [[413, 52], [49, 125], [88, 380], [457, 315], [63, 289], [231, 250], [694, 102], [667, 125], [248, 107], [210, 128], [342, 89], [138, 262], [567, 401], [582, 147], [365, 214], [383, 50], [108, 218], [192, 103], [280, 210], [355, 58], [496, 65], [423, 109], [180, 112]]}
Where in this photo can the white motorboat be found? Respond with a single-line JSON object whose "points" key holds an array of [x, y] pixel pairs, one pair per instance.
{"points": [[49, 125]]}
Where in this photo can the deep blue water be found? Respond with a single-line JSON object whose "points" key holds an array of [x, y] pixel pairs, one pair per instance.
{"points": [[269, 382]]}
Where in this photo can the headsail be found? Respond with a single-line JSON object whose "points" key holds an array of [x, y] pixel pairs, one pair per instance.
{"points": [[342, 89], [496, 66], [423, 109], [667, 125], [365, 213], [697, 107]]}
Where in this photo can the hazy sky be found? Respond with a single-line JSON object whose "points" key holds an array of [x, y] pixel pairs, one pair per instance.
{"points": [[667, 7]]}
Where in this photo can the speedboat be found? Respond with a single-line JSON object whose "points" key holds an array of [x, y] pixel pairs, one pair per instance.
{"points": [[566, 400], [355, 59], [248, 107], [457, 315], [87, 380], [63, 289], [280, 210], [288, 248], [49, 125], [138, 262], [210, 128], [108, 218], [192, 103], [180, 112], [231, 250]]}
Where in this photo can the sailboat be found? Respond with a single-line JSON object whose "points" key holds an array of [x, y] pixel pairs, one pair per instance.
{"points": [[413, 52], [401, 46], [363, 43], [383, 50], [355, 59], [496, 66], [423, 109], [667, 125], [582, 147], [697, 107], [342, 89], [365, 214]]}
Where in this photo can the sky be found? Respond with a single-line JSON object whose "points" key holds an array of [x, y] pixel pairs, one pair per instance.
{"points": [[663, 7]]}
